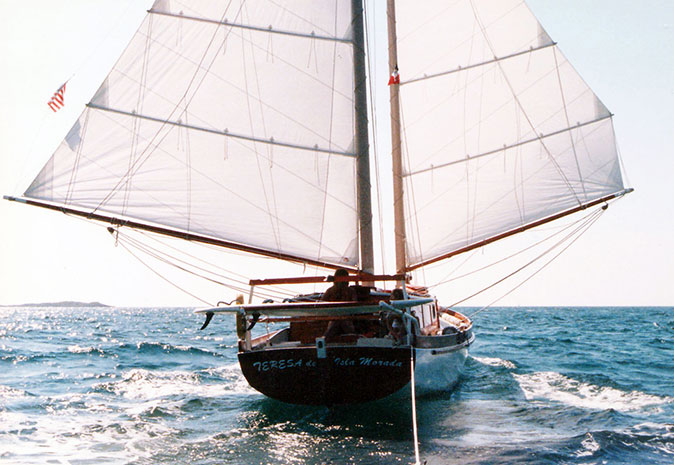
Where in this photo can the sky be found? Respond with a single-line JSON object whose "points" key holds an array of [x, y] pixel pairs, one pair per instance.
{"points": [[623, 50]]}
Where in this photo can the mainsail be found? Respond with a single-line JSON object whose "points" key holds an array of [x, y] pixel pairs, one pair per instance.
{"points": [[227, 120], [244, 123], [499, 131]]}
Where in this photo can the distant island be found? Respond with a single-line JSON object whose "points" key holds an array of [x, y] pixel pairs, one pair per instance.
{"points": [[61, 304]]}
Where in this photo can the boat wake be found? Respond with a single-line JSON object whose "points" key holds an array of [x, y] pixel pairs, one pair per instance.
{"points": [[151, 385], [495, 362], [557, 387]]}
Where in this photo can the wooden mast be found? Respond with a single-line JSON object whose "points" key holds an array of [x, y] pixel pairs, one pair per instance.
{"points": [[361, 140], [396, 154]]}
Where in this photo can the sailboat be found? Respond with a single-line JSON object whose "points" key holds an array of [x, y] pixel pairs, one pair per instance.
{"points": [[245, 125]]}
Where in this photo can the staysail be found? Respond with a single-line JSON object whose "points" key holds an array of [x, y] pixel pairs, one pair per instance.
{"points": [[498, 130], [227, 120]]}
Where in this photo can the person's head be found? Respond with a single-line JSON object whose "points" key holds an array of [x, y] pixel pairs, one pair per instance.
{"points": [[397, 329], [341, 273], [397, 294]]}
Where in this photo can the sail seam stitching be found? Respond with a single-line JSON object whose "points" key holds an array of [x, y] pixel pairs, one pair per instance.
{"points": [[268, 29], [477, 65], [507, 147], [225, 133]]}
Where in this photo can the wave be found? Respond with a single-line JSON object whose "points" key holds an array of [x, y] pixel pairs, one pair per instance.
{"points": [[7, 392], [495, 362], [142, 384], [150, 348], [557, 387]]}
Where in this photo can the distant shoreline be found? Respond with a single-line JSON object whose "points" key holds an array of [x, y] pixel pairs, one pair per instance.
{"points": [[61, 304]]}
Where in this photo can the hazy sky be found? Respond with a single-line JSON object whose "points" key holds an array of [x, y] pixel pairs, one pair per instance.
{"points": [[623, 49]]}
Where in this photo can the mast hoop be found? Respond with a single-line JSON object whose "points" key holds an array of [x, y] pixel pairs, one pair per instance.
{"points": [[225, 133], [477, 65], [267, 29], [507, 147]]}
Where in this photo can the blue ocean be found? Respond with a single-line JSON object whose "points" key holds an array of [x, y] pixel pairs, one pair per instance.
{"points": [[95, 385]]}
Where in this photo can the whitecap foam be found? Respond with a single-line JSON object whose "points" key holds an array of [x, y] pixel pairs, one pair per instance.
{"points": [[557, 387], [589, 446], [7, 392], [496, 362], [71, 435], [145, 384]]}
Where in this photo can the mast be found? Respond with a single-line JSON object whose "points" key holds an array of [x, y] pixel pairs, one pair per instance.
{"points": [[396, 155], [361, 141]]}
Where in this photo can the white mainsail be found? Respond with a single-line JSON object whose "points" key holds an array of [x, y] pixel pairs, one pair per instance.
{"points": [[242, 121], [499, 130], [230, 120]]}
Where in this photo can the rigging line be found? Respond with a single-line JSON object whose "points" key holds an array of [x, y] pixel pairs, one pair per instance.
{"points": [[458, 46], [496, 110], [568, 123], [272, 214], [537, 271], [159, 253], [465, 142], [410, 185], [268, 29], [486, 208], [236, 194], [521, 107], [232, 85], [292, 13], [164, 278], [139, 108], [332, 115], [375, 150], [196, 258], [590, 219], [112, 28], [279, 289], [423, 25], [144, 155], [158, 257], [512, 255], [449, 188], [78, 157], [161, 259]]}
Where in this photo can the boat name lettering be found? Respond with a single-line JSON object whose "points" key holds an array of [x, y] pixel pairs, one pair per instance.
{"points": [[368, 361], [282, 364]]}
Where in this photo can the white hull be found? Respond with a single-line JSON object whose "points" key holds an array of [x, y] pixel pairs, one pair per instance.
{"points": [[437, 370]]}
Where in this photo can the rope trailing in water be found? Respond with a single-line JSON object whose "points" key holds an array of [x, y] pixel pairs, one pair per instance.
{"points": [[414, 410]]}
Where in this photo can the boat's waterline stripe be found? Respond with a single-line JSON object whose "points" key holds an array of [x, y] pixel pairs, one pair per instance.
{"points": [[268, 29], [225, 133], [507, 147], [477, 65]]}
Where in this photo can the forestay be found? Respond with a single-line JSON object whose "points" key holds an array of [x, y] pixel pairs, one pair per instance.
{"points": [[232, 120], [499, 130]]}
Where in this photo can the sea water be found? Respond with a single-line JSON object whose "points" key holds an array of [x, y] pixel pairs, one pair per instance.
{"points": [[145, 386]]}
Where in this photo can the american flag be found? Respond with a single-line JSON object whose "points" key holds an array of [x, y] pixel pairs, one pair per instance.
{"points": [[56, 101]]}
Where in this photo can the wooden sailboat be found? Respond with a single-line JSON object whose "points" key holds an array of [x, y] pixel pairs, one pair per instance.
{"points": [[244, 124]]}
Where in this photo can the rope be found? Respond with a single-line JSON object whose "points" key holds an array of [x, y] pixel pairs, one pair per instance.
{"points": [[592, 218], [446, 280], [414, 409], [143, 157], [540, 269], [161, 257], [164, 278], [375, 150]]}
